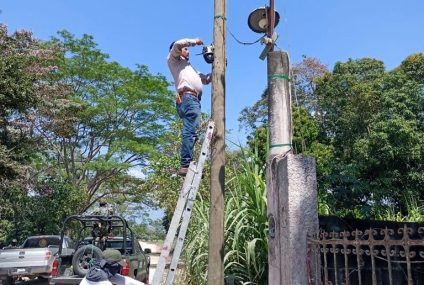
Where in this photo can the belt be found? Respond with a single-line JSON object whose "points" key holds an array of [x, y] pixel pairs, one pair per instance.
{"points": [[181, 93]]}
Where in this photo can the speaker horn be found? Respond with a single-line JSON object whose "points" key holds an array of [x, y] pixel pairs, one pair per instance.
{"points": [[258, 21]]}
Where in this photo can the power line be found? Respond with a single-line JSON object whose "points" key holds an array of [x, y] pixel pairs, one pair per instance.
{"points": [[240, 42]]}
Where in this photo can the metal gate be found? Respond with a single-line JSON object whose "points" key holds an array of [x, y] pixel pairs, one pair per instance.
{"points": [[370, 257]]}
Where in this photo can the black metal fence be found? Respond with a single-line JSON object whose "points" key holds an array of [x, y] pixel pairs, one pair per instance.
{"points": [[373, 256]]}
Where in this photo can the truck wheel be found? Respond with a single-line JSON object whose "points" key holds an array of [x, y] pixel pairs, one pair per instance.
{"points": [[84, 258]]}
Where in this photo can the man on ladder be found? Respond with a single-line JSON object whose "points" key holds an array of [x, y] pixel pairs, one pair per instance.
{"points": [[189, 85], [182, 214]]}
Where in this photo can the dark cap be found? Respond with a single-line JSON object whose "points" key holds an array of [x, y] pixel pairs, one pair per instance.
{"points": [[113, 255], [172, 44]]}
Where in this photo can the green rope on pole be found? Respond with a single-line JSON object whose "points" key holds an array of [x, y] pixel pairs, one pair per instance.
{"points": [[279, 76], [220, 17], [280, 145]]}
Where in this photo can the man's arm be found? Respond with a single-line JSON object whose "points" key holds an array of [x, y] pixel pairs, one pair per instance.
{"points": [[206, 79], [180, 44]]}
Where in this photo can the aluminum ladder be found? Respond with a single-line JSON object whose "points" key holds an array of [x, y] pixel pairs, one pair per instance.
{"points": [[182, 213]]}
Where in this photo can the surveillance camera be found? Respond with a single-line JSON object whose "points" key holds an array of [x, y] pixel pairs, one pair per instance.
{"points": [[208, 53]]}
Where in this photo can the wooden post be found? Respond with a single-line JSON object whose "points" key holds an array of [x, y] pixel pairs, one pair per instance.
{"points": [[216, 212]]}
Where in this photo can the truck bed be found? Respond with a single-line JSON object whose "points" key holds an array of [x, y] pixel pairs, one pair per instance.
{"points": [[24, 262]]}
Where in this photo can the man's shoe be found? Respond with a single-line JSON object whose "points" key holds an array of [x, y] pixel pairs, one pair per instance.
{"points": [[183, 171]]}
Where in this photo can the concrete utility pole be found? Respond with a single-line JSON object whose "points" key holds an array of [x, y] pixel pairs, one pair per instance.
{"points": [[291, 183], [216, 212], [279, 107]]}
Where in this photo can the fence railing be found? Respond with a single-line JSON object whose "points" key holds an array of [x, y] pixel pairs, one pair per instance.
{"points": [[370, 257]]}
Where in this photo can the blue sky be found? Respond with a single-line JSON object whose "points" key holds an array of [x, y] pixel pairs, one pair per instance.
{"points": [[140, 31]]}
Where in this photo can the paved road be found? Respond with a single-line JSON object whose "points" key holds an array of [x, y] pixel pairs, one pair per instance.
{"points": [[153, 257]]}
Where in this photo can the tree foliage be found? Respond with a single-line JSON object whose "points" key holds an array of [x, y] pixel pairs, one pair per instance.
{"points": [[111, 120], [305, 76], [373, 119], [364, 126], [306, 115], [73, 124], [162, 183], [25, 67]]}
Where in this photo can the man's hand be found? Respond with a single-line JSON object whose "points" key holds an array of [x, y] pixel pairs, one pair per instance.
{"points": [[199, 42]]}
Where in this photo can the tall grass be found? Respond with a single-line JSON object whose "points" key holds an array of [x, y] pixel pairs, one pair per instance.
{"points": [[246, 246], [414, 212]]}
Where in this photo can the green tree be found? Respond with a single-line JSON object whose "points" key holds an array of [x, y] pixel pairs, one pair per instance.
{"points": [[162, 184], [305, 76], [25, 67], [413, 67], [111, 120], [92, 121], [44, 208], [373, 120], [306, 117], [363, 125]]}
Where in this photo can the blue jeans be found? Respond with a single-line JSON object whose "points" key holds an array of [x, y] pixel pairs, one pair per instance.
{"points": [[189, 112]]}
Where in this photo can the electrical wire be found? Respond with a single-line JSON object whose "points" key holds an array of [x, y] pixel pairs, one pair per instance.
{"points": [[237, 40], [240, 42]]}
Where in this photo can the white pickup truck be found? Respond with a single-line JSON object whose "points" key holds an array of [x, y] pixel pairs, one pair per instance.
{"points": [[35, 258]]}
